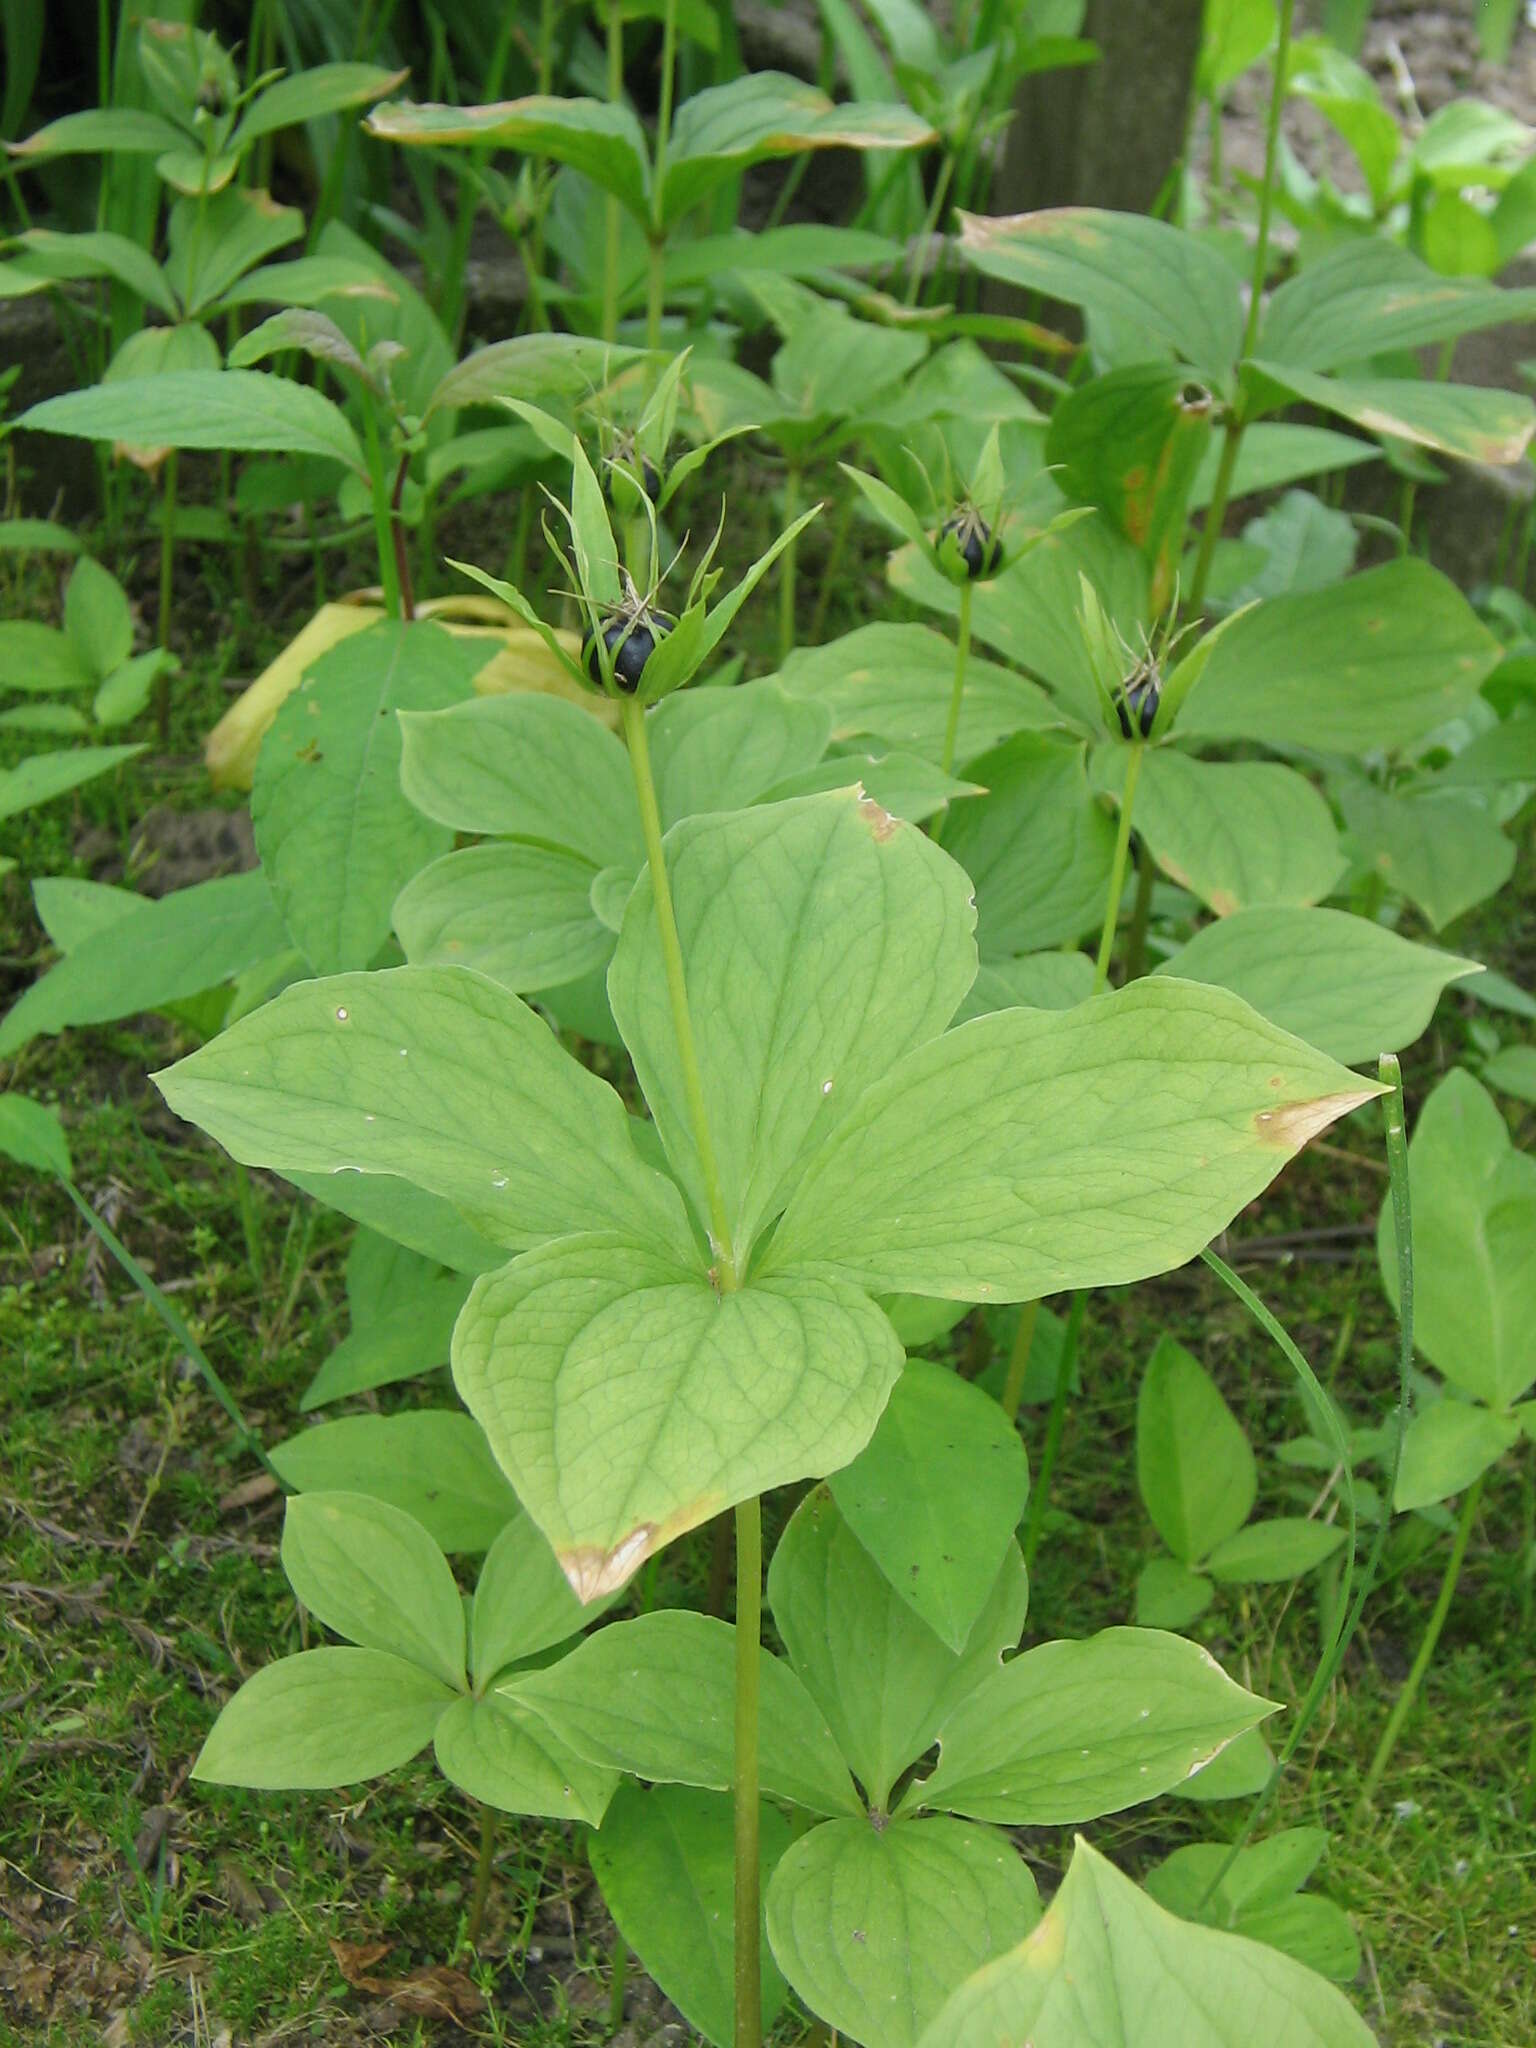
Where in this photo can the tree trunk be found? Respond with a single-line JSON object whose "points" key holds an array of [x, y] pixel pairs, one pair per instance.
{"points": [[1106, 134]]}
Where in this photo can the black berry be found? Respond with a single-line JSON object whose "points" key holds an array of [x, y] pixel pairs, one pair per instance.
{"points": [[981, 554], [631, 642], [1137, 706]]}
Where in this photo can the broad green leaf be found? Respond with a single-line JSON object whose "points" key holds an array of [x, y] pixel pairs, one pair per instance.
{"points": [[162, 352], [1474, 1242], [665, 1860], [1257, 1897], [1234, 35], [32, 1134], [321, 1719], [1512, 1071], [309, 95], [431, 1462], [214, 243], [1072, 1730], [408, 1216], [1370, 297], [41, 659], [1194, 1465], [1029, 613], [158, 953], [1504, 753], [1038, 847], [1241, 1771], [372, 1574], [543, 366], [438, 1076], [38, 536], [1170, 1595], [217, 409], [410, 1338], [1367, 665], [336, 837], [1345, 984], [821, 939], [720, 750], [629, 1401], [935, 1496], [894, 683], [1033, 1151], [523, 1603], [528, 767], [1347, 96], [804, 249], [1307, 545], [604, 142], [45, 256], [504, 1756], [126, 691], [875, 1930], [1108, 1966], [520, 913], [722, 129], [881, 1676], [1271, 1551], [1445, 1448], [48, 716], [1465, 420], [654, 1698], [1163, 283], [1130, 442], [1233, 833], [1442, 850], [1030, 981], [1273, 453], [118, 130], [907, 786]]}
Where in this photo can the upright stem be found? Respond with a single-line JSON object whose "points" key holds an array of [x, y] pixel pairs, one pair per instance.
{"points": [[613, 219], [930, 223], [485, 1865], [397, 537], [383, 522], [632, 715], [1117, 867], [1403, 1705], [1237, 419], [1141, 915], [655, 288], [167, 580], [787, 563], [749, 1627], [1018, 1359], [1040, 1487], [664, 110], [957, 694]]}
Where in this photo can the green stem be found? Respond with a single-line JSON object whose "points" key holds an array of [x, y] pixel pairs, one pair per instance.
{"points": [[383, 523], [485, 1865], [787, 563], [744, 1793], [956, 695], [1403, 1705], [1141, 915], [632, 716], [930, 224], [829, 573], [1040, 1488], [664, 112], [1237, 419], [617, 1978], [250, 1224], [1117, 867], [612, 217], [167, 581], [655, 288], [1018, 1359]]}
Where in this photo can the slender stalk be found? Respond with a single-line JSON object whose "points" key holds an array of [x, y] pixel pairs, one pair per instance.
{"points": [[1237, 419], [398, 542], [1403, 1705], [834, 563], [664, 111], [250, 1224], [930, 224], [383, 522], [612, 217], [1117, 867], [617, 1980], [1040, 1489], [1141, 915], [167, 583], [749, 1627], [655, 288], [787, 563], [1018, 1359], [957, 694], [485, 1865], [632, 716]]}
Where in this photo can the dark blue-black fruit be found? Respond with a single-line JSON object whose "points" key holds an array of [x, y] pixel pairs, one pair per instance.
{"points": [[981, 554], [631, 641], [1137, 706]]}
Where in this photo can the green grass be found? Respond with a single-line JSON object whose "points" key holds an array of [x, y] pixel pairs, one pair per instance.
{"points": [[141, 1586]]}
